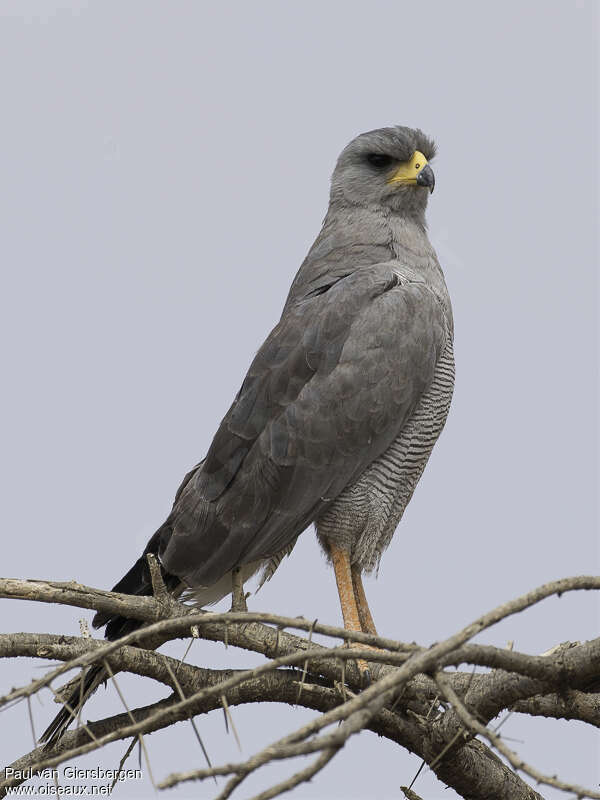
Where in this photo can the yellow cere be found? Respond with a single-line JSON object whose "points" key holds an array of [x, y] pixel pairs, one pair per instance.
{"points": [[407, 171]]}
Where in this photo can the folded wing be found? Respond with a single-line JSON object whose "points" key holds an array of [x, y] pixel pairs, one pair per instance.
{"points": [[326, 394]]}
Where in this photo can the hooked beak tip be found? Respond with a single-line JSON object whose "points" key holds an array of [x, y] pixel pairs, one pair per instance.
{"points": [[426, 178]]}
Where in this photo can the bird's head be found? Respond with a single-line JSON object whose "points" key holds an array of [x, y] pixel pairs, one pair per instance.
{"points": [[386, 168]]}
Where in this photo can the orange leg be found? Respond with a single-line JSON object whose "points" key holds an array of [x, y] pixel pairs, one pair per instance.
{"points": [[343, 576], [238, 598], [364, 612]]}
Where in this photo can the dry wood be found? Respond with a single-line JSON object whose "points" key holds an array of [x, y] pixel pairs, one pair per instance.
{"points": [[411, 701]]}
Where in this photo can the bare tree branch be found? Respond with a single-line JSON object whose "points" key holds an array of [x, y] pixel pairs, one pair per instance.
{"points": [[516, 761], [435, 719]]}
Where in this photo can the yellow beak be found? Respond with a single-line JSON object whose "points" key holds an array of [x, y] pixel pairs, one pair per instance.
{"points": [[414, 171]]}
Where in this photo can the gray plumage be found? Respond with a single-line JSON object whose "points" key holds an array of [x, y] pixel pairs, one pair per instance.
{"points": [[343, 402], [340, 408]]}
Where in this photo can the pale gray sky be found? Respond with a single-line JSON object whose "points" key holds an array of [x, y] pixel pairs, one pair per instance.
{"points": [[164, 168]]}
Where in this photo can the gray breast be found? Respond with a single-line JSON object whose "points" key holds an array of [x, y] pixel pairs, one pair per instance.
{"points": [[363, 518]]}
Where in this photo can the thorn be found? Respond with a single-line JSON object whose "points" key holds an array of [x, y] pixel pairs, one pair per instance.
{"points": [[229, 718]]}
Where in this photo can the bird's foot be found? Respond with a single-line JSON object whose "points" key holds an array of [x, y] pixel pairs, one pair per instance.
{"points": [[238, 598], [365, 673], [239, 604]]}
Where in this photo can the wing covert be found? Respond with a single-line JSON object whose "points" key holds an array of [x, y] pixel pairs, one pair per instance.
{"points": [[326, 394]]}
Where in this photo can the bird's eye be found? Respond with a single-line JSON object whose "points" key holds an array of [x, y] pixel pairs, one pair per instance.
{"points": [[379, 160]]}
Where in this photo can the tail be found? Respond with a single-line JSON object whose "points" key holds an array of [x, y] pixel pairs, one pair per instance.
{"points": [[73, 703], [137, 582]]}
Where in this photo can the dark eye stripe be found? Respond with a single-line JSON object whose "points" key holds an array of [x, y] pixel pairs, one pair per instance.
{"points": [[379, 160]]}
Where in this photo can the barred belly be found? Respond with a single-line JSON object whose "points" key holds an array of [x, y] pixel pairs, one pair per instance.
{"points": [[363, 518]]}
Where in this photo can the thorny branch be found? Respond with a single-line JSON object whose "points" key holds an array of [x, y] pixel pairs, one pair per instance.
{"points": [[412, 700]]}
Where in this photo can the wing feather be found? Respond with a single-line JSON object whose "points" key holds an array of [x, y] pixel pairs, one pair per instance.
{"points": [[326, 394]]}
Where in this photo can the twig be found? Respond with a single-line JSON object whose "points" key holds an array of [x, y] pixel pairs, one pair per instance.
{"points": [[159, 590], [409, 794], [122, 763], [513, 758], [302, 776]]}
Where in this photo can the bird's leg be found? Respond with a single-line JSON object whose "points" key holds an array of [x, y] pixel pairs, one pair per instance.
{"points": [[364, 612], [238, 598], [343, 576]]}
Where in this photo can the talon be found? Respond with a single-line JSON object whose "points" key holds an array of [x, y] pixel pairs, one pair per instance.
{"points": [[366, 678], [365, 673]]}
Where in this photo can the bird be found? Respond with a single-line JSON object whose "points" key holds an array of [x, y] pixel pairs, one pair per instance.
{"points": [[338, 413]]}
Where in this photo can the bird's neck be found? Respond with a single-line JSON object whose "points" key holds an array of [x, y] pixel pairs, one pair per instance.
{"points": [[354, 237], [354, 227]]}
